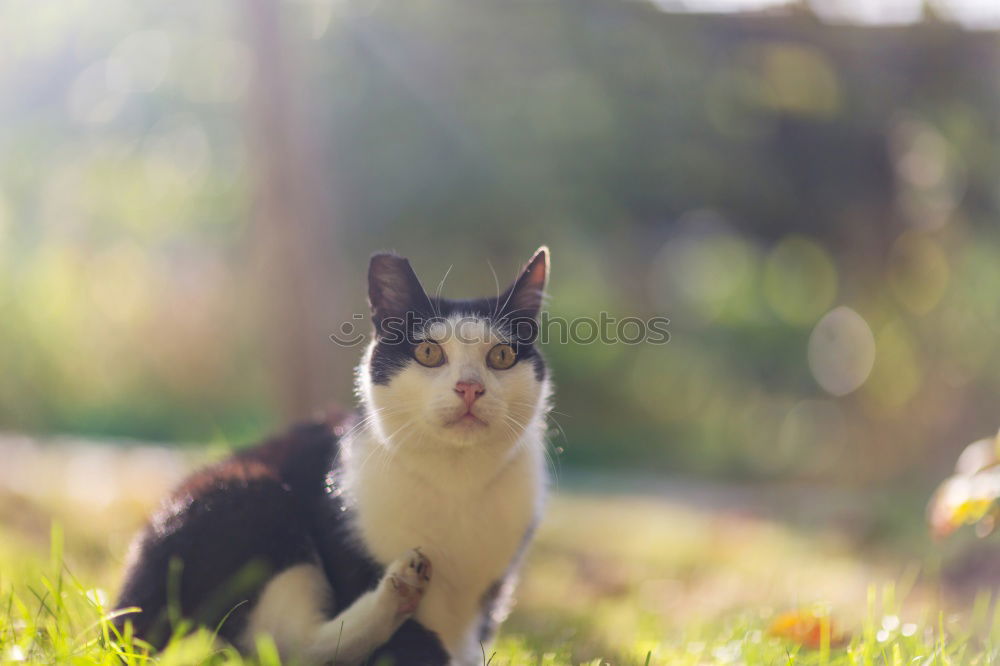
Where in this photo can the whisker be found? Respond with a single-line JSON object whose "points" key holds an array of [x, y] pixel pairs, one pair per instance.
{"points": [[440, 287], [393, 450], [437, 293], [375, 446], [558, 425], [552, 461], [496, 280], [518, 439], [361, 426], [382, 449], [368, 420]]}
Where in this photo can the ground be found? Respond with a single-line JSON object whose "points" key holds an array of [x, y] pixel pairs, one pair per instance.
{"points": [[625, 570]]}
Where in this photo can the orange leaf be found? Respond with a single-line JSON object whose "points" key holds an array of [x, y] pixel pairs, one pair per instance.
{"points": [[806, 628]]}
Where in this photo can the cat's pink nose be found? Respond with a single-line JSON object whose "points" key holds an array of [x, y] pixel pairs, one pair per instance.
{"points": [[470, 391]]}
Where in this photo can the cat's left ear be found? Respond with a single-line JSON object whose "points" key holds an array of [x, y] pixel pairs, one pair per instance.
{"points": [[393, 289], [524, 297]]}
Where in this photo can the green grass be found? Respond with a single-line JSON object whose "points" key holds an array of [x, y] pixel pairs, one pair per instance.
{"points": [[618, 579]]}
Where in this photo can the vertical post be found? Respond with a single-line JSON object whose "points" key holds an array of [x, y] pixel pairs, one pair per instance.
{"points": [[295, 262]]}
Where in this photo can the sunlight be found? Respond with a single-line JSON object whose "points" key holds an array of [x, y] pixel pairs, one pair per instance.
{"points": [[972, 14]]}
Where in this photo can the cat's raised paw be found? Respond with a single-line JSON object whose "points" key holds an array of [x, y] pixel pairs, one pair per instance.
{"points": [[407, 578]]}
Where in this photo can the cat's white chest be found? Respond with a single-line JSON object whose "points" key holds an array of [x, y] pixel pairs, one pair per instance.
{"points": [[470, 523]]}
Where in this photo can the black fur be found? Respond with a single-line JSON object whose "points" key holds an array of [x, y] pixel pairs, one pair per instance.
{"points": [[401, 310], [232, 526], [391, 354]]}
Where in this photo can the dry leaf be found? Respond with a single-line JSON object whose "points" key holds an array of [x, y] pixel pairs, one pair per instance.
{"points": [[807, 628], [970, 495]]}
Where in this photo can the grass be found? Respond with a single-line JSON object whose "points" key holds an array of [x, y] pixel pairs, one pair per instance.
{"points": [[614, 577]]}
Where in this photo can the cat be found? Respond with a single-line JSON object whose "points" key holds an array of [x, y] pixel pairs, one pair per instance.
{"points": [[396, 535]]}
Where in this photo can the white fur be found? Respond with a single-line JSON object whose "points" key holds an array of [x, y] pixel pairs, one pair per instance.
{"points": [[291, 610], [466, 494]]}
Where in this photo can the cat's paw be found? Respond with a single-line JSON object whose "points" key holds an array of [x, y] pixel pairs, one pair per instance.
{"points": [[406, 579]]}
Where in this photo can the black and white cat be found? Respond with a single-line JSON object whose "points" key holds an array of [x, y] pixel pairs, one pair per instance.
{"points": [[324, 538]]}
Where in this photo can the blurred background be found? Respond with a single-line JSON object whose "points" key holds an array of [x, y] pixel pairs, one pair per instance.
{"points": [[810, 191]]}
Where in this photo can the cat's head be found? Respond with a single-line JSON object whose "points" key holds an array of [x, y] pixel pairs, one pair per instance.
{"points": [[452, 372]]}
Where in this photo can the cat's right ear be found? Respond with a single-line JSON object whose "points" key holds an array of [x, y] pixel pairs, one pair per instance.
{"points": [[393, 289]]}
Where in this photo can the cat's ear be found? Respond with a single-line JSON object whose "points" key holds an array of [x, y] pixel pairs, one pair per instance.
{"points": [[393, 289], [524, 297]]}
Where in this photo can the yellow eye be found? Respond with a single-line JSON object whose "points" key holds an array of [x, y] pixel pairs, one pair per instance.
{"points": [[429, 354], [501, 357]]}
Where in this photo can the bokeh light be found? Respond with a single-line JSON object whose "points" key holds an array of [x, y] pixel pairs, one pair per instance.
{"points": [[740, 176], [897, 373], [140, 62], [705, 268], [918, 272], [841, 351], [932, 178], [800, 280], [797, 79]]}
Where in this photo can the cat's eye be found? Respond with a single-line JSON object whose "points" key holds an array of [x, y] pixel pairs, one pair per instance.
{"points": [[501, 357], [429, 354]]}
